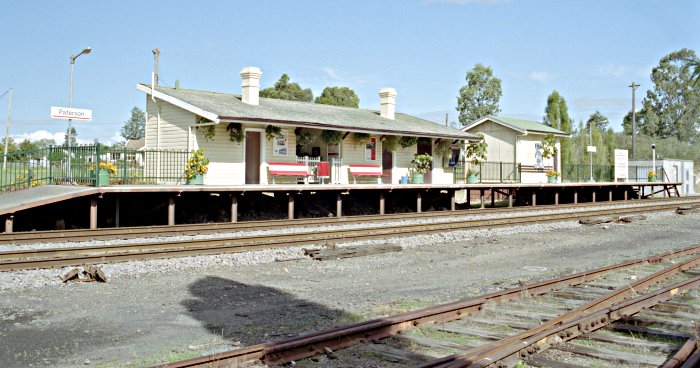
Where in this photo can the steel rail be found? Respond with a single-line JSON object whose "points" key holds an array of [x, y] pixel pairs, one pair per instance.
{"points": [[618, 295], [208, 228], [72, 256], [584, 324], [310, 344], [682, 355]]}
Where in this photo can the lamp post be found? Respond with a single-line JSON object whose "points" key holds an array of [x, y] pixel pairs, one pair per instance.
{"points": [[653, 157], [69, 136], [7, 131]]}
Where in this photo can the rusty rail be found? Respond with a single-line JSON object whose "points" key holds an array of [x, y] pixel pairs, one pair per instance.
{"points": [[488, 351], [61, 257], [314, 343]]}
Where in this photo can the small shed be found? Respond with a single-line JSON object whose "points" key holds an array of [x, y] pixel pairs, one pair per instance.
{"points": [[670, 169], [519, 141]]}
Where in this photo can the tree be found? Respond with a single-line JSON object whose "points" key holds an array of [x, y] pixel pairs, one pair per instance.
{"points": [[284, 90], [338, 96], [598, 121], [44, 142], [73, 137], [480, 96], [672, 108], [135, 127], [557, 116]]}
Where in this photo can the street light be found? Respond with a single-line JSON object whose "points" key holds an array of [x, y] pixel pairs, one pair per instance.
{"points": [[70, 96], [69, 136], [7, 130]]}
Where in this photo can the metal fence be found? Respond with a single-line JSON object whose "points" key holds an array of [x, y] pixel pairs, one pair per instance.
{"points": [[77, 165], [489, 172], [605, 173]]}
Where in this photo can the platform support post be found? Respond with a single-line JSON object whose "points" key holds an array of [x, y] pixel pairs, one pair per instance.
{"points": [[171, 210], [640, 192], [593, 196], [234, 208], [9, 221], [625, 193], [116, 212], [381, 203], [556, 197], [419, 202], [610, 196], [493, 199], [453, 200], [290, 206], [510, 198], [338, 205], [534, 198], [93, 213], [481, 195], [575, 196], [469, 199]]}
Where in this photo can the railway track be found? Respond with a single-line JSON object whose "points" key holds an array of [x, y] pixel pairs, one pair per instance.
{"points": [[73, 256], [635, 314], [56, 236]]}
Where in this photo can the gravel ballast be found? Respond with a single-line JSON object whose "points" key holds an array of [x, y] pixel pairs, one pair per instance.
{"points": [[162, 310]]}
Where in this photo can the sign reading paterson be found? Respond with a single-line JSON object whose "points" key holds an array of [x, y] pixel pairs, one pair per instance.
{"points": [[69, 113]]}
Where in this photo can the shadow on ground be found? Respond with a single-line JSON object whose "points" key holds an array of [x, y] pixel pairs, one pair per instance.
{"points": [[254, 314]]}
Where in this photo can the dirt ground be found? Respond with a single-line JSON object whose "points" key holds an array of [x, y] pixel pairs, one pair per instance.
{"points": [[142, 320]]}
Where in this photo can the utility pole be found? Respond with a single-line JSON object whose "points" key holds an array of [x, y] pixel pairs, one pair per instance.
{"points": [[156, 53], [634, 124], [7, 132], [446, 123]]}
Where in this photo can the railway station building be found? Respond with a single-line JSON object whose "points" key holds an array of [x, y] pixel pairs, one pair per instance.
{"points": [[519, 141], [254, 140]]}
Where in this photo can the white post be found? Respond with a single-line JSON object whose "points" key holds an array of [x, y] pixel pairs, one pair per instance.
{"points": [[7, 132]]}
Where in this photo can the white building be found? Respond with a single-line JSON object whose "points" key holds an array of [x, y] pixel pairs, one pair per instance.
{"points": [[519, 141]]}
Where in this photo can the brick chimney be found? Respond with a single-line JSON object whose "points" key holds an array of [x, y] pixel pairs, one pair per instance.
{"points": [[388, 102], [251, 85]]}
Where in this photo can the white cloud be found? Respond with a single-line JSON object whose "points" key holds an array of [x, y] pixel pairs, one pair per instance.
{"points": [[331, 73], [608, 70], [115, 138], [540, 76], [58, 137], [588, 103]]}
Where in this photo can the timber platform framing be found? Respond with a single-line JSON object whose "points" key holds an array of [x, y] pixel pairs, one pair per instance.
{"points": [[14, 204]]}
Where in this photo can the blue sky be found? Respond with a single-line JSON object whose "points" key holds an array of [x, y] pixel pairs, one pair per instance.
{"points": [[589, 51]]}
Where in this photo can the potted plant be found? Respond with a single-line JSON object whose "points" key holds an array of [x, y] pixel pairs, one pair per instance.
{"points": [[235, 131], [104, 171], [196, 167], [552, 176], [272, 131], [475, 154], [652, 176], [331, 136], [304, 137], [421, 165]]}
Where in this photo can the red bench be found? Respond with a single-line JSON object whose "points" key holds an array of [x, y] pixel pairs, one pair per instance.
{"points": [[288, 169], [371, 170]]}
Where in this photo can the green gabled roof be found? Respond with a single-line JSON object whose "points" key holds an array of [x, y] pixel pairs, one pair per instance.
{"points": [[229, 107], [521, 125]]}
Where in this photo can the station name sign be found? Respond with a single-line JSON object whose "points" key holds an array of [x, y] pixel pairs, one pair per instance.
{"points": [[70, 113]]}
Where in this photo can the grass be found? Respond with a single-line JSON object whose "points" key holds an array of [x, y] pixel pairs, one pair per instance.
{"points": [[442, 335]]}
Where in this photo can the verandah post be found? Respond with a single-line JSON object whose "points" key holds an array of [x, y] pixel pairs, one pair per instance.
{"points": [[96, 172], [124, 161]]}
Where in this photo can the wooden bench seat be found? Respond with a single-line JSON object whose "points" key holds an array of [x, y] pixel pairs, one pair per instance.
{"points": [[288, 169], [370, 170]]}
